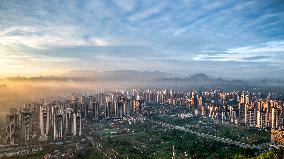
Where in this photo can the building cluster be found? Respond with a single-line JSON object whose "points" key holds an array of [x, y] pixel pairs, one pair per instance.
{"points": [[240, 108], [60, 119], [39, 121], [117, 104], [21, 126]]}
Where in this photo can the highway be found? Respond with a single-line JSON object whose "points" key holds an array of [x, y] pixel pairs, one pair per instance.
{"points": [[213, 137]]}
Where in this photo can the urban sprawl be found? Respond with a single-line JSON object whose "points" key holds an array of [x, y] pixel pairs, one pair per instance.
{"points": [[59, 120]]}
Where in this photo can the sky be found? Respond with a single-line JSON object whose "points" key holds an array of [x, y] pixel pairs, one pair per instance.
{"points": [[232, 39]]}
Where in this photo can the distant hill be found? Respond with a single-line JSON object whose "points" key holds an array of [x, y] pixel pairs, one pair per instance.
{"points": [[119, 75], [201, 80], [200, 77], [89, 75], [81, 73], [152, 79], [195, 78]]}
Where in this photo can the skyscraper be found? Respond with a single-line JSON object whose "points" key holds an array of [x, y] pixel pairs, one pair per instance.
{"points": [[58, 124], [108, 105], [26, 124], [68, 121], [77, 124], [95, 111], [44, 118], [13, 126]]}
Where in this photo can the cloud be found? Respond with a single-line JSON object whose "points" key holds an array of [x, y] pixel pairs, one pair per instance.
{"points": [[125, 5], [18, 30], [272, 46], [171, 33], [44, 38], [267, 52], [146, 13], [232, 57], [40, 42]]}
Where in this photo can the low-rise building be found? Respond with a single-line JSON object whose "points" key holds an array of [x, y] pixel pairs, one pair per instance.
{"points": [[277, 136]]}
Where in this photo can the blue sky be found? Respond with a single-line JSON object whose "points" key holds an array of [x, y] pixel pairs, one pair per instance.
{"points": [[236, 39]]}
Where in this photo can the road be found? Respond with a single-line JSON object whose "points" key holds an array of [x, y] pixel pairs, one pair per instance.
{"points": [[213, 137], [109, 153]]}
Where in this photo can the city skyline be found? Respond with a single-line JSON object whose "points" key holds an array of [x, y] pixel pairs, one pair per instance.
{"points": [[242, 119], [227, 39]]}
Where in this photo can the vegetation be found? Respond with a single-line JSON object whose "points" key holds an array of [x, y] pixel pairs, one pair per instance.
{"points": [[271, 154], [235, 132], [148, 140]]}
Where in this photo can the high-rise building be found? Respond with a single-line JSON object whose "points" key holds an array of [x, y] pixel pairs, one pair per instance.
{"points": [[108, 107], [68, 121], [249, 116], [44, 118], [91, 101], [75, 103], [77, 124], [120, 106], [138, 105], [200, 101], [276, 118], [13, 127], [58, 119], [194, 100], [26, 124], [84, 106], [95, 111], [128, 106], [247, 99]]}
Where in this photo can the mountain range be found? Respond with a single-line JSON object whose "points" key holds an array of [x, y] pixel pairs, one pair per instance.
{"points": [[120, 75], [148, 78]]}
